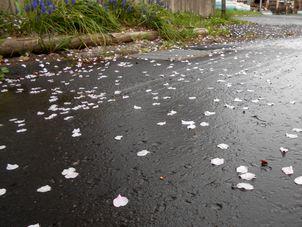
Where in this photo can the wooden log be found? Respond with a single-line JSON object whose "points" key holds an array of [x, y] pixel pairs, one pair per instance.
{"points": [[14, 46]]}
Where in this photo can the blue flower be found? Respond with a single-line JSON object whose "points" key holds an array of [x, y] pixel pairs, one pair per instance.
{"points": [[27, 8], [124, 2], [34, 4], [42, 6]]}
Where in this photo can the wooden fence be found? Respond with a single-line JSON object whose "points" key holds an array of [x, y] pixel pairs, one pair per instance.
{"points": [[7, 6], [204, 8]]}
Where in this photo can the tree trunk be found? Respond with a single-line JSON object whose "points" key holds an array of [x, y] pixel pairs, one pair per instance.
{"points": [[223, 8]]}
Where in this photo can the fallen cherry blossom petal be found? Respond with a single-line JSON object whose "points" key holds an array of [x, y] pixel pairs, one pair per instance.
{"points": [[171, 113], [34, 225], [70, 173], [247, 176], [288, 170], [76, 132], [291, 136], [191, 126], [297, 129], [118, 137], [187, 122], [21, 130], [283, 150], [298, 180], [137, 107], [245, 186], [45, 188], [120, 201], [143, 153], [223, 146], [242, 169], [204, 124], [208, 113], [161, 123], [217, 161], [12, 166], [2, 191], [2, 147]]}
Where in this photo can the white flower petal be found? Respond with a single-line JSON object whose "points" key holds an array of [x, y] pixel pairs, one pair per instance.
{"points": [[283, 150], [223, 146], [2, 147], [12, 166], [229, 106], [297, 129], [242, 169], [34, 225], [191, 126], [118, 137], [247, 176], [208, 113], [217, 161], [2, 191], [204, 124], [120, 201], [137, 107], [291, 136], [171, 113], [45, 188], [70, 173], [298, 180], [76, 132], [288, 170], [245, 186], [143, 153], [187, 122]]}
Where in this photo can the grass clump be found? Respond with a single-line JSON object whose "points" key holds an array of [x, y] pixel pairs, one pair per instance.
{"points": [[72, 17], [84, 17], [3, 72]]}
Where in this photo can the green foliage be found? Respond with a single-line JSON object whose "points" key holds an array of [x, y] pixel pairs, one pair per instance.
{"points": [[3, 71], [10, 24], [88, 17], [83, 17], [235, 13], [171, 26]]}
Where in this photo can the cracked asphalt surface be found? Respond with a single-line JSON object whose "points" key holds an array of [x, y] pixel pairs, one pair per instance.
{"points": [[174, 185]]}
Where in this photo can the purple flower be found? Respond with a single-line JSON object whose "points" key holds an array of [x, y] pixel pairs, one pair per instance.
{"points": [[42, 6], [124, 2], [34, 4], [27, 8]]}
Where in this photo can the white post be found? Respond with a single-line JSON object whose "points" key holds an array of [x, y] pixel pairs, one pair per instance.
{"points": [[260, 6]]}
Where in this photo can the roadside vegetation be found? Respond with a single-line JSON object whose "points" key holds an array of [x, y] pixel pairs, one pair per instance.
{"points": [[3, 72], [72, 17]]}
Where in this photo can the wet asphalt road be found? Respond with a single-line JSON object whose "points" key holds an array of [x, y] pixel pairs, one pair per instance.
{"points": [[175, 184]]}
